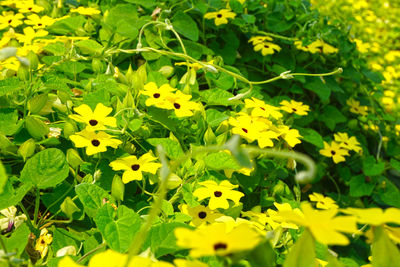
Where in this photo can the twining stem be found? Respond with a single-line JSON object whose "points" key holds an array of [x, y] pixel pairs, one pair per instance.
{"points": [[91, 252]]}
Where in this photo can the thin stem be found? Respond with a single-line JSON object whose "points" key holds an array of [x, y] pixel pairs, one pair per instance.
{"points": [[276, 36], [3, 245], [91, 252], [28, 220], [37, 204]]}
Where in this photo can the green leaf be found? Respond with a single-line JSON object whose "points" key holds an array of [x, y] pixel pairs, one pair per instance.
{"points": [[217, 96], [10, 85], [172, 148], [71, 67], [359, 187], [161, 238], [67, 25], [45, 169], [57, 49], [302, 254], [331, 116], [118, 227], [316, 85], [145, 3], [92, 197], [11, 196], [18, 240], [395, 164], [262, 255], [390, 193], [312, 137], [185, 25], [122, 12], [221, 161], [215, 117], [371, 168], [89, 47], [384, 252], [9, 123]]}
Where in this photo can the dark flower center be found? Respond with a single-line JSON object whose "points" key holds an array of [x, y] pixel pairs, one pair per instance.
{"points": [[262, 108], [93, 122], [219, 16], [40, 24], [346, 143], [177, 106], [30, 8], [217, 193], [42, 241], [156, 95], [266, 46], [245, 130], [220, 246], [135, 167], [333, 153], [95, 142], [294, 109], [202, 214]]}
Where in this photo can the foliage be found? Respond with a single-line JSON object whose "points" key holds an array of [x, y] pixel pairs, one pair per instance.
{"points": [[196, 133]]}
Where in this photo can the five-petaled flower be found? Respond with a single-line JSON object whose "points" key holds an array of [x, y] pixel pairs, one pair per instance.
{"points": [[295, 107], [218, 194], [200, 214], [356, 108], [217, 239], [334, 151], [9, 19], [43, 242], [94, 120], [133, 166], [221, 16], [94, 142], [323, 202], [347, 142]]}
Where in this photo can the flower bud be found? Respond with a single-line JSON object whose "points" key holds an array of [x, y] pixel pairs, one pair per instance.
{"points": [[117, 188], [98, 65], [166, 71], [33, 60], [36, 128], [73, 158], [173, 181], [69, 129], [68, 207], [27, 149], [36, 103]]}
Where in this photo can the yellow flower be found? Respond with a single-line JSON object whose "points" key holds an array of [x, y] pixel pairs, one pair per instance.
{"points": [[11, 63], [260, 109], [110, 258], [157, 96], [323, 225], [94, 142], [43, 242], [334, 151], [267, 48], [221, 16], [28, 6], [348, 143], [323, 202], [246, 171], [39, 22], [275, 220], [295, 107], [30, 34], [8, 19], [94, 120], [87, 11], [374, 216], [6, 38], [245, 126], [200, 214], [182, 105], [356, 108], [196, 66], [214, 239], [259, 39], [186, 263], [218, 194], [291, 136], [133, 167]]}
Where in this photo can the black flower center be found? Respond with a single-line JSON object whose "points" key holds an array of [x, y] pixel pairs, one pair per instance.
{"points": [[262, 108], [219, 16], [346, 143], [245, 130], [42, 242], [217, 193], [40, 24], [202, 214], [266, 46], [294, 110], [156, 95], [177, 106], [29, 8], [135, 167], [95, 142], [93, 122], [333, 153], [220, 246]]}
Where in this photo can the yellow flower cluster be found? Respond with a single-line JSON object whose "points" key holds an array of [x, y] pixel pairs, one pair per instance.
{"points": [[221, 16], [264, 45], [318, 46], [166, 97], [340, 147], [93, 137], [376, 35], [260, 121]]}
